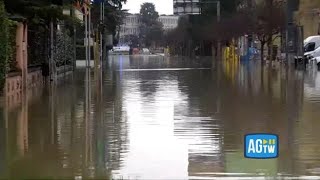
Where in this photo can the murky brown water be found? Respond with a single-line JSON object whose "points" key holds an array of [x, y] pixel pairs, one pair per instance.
{"points": [[158, 118]]}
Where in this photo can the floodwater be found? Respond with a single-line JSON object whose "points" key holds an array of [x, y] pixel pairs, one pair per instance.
{"points": [[150, 117]]}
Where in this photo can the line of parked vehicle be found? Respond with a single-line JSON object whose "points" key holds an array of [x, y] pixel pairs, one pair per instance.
{"points": [[311, 51], [126, 50]]}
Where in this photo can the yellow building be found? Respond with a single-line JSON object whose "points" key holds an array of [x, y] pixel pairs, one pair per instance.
{"points": [[308, 16]]}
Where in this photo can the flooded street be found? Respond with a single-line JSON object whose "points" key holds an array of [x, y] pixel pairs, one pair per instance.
{"points": [[150, 117]]}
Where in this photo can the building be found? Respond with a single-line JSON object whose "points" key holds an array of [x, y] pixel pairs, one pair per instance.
{"points": [[181, 7], [169, 22], [308, 16], [131, 25]]}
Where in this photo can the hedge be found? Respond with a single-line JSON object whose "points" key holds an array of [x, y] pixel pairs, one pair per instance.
{"points": [[12, 51], [4, 45], [64, 49]]}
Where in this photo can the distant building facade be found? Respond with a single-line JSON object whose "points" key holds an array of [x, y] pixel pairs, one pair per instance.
{"points": [[169, 22], [132, 22], [182, 7], [308, 16], [130, 25]]}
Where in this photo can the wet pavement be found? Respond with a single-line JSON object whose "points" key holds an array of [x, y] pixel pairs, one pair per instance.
{"points": [[150, 117]]}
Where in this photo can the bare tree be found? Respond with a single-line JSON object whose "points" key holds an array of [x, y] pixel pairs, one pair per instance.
{"points": [[268, 21], [265, 20]]}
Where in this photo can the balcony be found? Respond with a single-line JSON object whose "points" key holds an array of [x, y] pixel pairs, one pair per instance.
{"points": [[186, 7]]}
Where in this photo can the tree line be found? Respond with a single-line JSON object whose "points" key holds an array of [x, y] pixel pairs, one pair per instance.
{"points": [[264, 20], [38, 15]]}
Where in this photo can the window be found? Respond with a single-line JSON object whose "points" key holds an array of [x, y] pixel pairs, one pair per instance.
{"points": [[310, 47]]}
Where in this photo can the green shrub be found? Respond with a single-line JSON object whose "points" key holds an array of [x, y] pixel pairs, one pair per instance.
{"points": [[64, 49], [12, 51], [4, 45]]}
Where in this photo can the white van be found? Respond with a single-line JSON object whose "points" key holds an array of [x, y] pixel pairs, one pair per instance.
{"points": [[311, 50], [146, 51], [312, 47]]}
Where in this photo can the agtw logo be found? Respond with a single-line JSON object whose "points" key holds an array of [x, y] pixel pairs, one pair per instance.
{"points": [[261, 146]]}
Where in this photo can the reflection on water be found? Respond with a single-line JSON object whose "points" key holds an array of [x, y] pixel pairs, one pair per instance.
{"points": [[147, 117]]}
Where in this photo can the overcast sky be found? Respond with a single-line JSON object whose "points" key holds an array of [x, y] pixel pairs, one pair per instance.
{"points": [[162, 6]]}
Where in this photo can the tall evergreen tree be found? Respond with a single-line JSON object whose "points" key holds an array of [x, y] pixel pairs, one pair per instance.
{"points": [[151, 30]]}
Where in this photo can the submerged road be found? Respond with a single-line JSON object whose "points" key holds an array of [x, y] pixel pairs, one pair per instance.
{"points": [[151, 117]]}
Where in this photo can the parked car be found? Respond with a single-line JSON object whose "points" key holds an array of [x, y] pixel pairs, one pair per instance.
{"points": [[135, 51], [120, 50], [145, 51]]}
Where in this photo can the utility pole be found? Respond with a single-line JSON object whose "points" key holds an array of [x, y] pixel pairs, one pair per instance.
{"points": [[86, 35], [289, 27], [87, 19], [101, 30], [218, 20], [51, 64], [89, 38], [74, 39]]}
